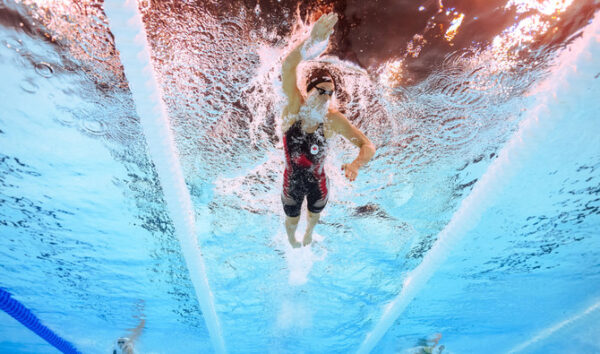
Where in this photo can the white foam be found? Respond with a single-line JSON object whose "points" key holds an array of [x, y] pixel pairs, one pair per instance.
{"points": [[300, 260], [294, 315]]}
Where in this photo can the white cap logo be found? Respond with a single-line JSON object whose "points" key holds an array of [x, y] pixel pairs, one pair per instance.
{"points": [[314, 149]]}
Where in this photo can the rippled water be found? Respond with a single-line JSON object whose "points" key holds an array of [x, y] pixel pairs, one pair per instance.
{"points": [[82, 216]]}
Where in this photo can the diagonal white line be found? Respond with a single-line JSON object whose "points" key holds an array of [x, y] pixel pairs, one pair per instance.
{"points": [[490, 184], [547, 332]]}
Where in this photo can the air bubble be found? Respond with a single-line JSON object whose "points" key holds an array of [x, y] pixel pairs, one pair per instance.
{"points": [[456, 131], [29, 86], [93, 127], [12, 43], [231, 28], [44, 69], [65, 116], [144, 6]]}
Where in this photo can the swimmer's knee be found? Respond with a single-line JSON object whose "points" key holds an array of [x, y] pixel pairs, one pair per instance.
{"points": [[292, 219]]}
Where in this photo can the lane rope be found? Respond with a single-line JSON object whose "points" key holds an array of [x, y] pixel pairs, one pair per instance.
{"points": [[19, 312]]}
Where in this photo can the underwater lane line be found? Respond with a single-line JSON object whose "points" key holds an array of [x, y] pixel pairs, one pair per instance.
{"points": [[547, 332], [530, 132], [131, 41]]}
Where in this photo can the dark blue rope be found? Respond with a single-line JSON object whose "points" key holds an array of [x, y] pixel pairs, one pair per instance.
{"points": [[29, 320]]}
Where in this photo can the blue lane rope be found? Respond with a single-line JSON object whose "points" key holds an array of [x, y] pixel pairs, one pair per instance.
{"points": [[22, 314]]}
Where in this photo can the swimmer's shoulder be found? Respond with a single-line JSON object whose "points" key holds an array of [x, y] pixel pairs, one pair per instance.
{"points": [[288, 118]]}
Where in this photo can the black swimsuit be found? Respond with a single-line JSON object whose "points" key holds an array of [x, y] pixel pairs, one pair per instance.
{"points": [[304, 174]]}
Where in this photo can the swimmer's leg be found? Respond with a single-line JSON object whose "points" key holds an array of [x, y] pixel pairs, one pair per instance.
{"points": [[291, 224], [292, 203], [312, 219], [316, 201]]}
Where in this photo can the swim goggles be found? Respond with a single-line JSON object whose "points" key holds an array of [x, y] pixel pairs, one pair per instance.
{"points": [[322, 91]]}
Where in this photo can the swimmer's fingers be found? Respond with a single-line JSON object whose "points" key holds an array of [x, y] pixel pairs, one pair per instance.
{"points": [[324, 26], [330, 19], [333, 19], [350, 172]]}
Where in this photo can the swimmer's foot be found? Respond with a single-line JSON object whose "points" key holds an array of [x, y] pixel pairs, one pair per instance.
{"points": [[294, 243], [307, 239]]}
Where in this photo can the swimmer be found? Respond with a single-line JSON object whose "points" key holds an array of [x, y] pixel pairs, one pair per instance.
{"points": [[308, 122], [125, 345], [428, 345]]}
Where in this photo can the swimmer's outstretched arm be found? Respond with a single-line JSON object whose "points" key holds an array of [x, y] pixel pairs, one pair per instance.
{"points": [[322, 29], [137, 331], [341, 125]]}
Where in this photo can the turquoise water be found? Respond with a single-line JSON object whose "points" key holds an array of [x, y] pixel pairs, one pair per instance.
{"points": [[479, 216]]}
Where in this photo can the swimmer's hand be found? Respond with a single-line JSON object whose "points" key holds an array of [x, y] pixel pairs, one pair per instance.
{"points": [[319, 37], [323, 28], [351, 171]]}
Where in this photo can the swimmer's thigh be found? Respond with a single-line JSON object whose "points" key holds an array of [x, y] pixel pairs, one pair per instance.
{"points": [[318, 194], [292, 196]]}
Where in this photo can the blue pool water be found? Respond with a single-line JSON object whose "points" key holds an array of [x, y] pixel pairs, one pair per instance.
{"points": [[478, 219]]}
